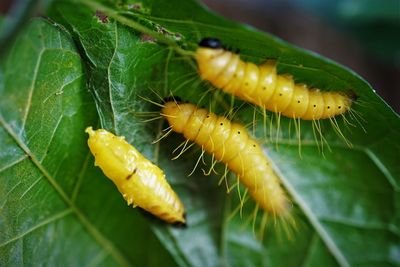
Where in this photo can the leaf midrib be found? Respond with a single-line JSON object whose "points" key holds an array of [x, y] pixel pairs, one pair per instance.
{"points": [[325, 237]]}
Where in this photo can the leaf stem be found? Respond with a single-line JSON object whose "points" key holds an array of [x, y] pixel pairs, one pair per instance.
{"points": [[134, 25]]}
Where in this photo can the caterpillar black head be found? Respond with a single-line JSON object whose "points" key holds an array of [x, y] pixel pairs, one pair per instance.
{"points": [[353, 96], [210, 43]]}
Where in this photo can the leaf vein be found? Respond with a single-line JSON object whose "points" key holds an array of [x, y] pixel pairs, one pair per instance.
{"points": [[326, 238], [39, 225], [30, 93], [8, 193], [30, 187], [51, 138], [10, 165], [382, 168], [343, 221], [307, 256], [109, 78], [80, 177]]}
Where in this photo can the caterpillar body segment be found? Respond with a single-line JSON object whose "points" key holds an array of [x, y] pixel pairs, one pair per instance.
{"points": [[140, 182], [230, 143], [262, 86]]}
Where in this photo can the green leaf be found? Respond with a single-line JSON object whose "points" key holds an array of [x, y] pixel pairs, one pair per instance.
{"points": [[346, 194], [346, 199], [56, 208]]}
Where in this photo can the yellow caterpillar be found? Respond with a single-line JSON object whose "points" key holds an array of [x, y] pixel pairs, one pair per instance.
{"points": [[230, 144], [262, 86], [140, 182]]}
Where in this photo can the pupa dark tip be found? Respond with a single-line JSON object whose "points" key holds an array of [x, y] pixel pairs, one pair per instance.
{"points": [[181, 225]]}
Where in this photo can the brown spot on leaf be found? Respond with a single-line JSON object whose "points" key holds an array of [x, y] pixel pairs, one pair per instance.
{"points": [[101, 16], [136, 6], [147, 38]]}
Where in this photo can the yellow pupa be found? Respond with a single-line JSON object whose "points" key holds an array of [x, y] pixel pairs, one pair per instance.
{"points": [[140, 182]]}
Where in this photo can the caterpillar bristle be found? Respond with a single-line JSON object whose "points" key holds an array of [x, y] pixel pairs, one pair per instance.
{"points": [[229, 143], [151, 101], [262, 85]]}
